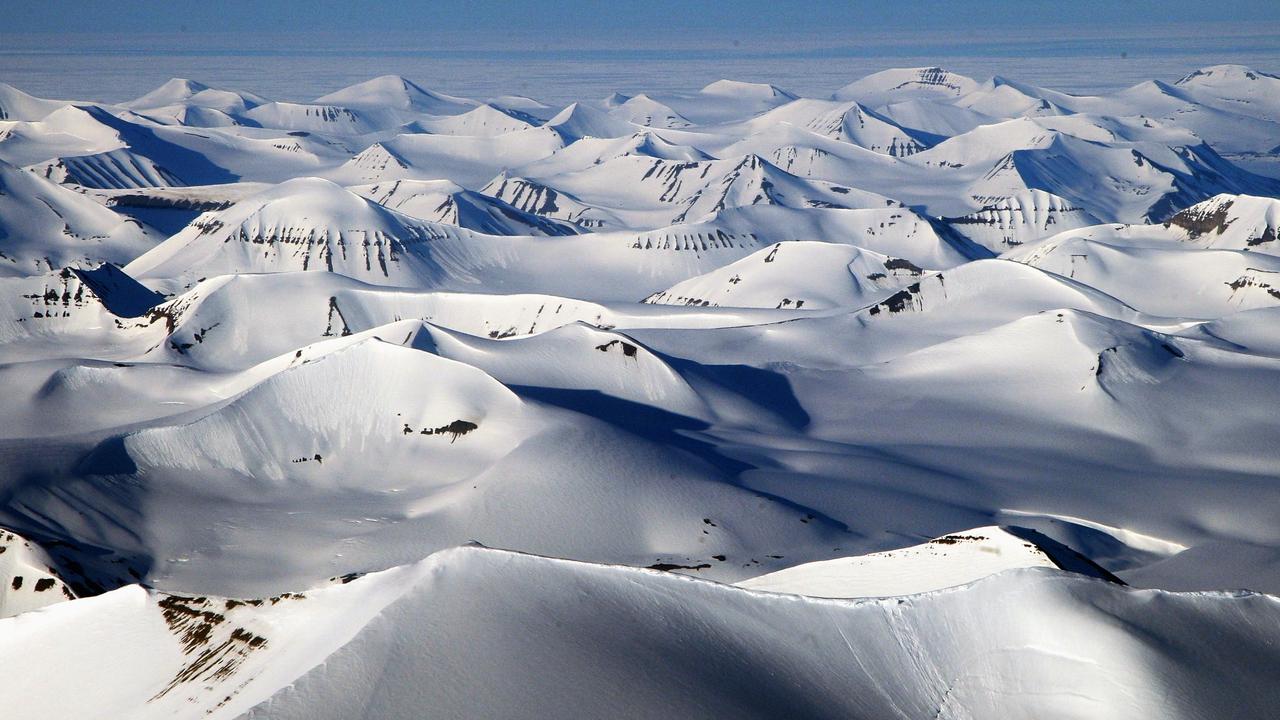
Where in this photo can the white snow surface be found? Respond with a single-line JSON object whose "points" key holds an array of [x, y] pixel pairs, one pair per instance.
{"points": [[607, 640], [943, 562], [934, 396]]}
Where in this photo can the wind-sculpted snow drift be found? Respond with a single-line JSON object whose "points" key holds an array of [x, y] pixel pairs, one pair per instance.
{"points": [[939, 397]]}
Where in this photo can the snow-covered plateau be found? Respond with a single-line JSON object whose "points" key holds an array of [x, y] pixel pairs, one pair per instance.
{"points": [[933, 397]]}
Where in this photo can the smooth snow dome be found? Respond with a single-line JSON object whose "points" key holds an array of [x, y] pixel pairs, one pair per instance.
{"points": [[943, 562], [927, 393]]}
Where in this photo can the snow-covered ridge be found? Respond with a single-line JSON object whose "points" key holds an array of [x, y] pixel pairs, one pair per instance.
{"points": [[947, 561], [221, 657], [1236, 222], [27, 578]]}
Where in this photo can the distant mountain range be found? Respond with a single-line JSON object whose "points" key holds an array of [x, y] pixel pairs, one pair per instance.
{"points": [[933, 397]]}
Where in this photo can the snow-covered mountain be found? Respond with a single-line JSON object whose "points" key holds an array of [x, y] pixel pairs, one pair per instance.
{"points": [[1236, 88], [644, 110], [812, 275], [302, 224], [180, 91], [45, 227], [484, 120], [646, 191], [846, 121], [16, 105], [1236, 222], [397, 93], [446, 202], [1019, 219], [938, 397], [900, 84], [469, 160], [1161, 280], [187, 102]]}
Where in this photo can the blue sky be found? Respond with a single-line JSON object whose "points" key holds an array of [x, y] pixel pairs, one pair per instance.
{"points": [[531, 18], [114, 50]]}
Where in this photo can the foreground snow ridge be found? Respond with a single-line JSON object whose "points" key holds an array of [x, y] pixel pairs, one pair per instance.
{"points": [[936, 397], [408, 630]]}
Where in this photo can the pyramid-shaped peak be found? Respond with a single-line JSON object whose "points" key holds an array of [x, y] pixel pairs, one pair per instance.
{"points": [[615, 99], [650, 144], [577, 121], [173, 90]]}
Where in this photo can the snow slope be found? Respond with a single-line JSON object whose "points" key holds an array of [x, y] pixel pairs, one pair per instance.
{"points": [[44, 227], [1162, 280], [430, 635], [795, 274], [27, 577], [943, 562]]}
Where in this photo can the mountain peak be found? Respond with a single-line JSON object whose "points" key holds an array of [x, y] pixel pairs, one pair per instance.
{"points": [[614, 100], [1216, 74], [397, 92], [746, 90], [906, 83], [578, 121], [171, 91]]}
